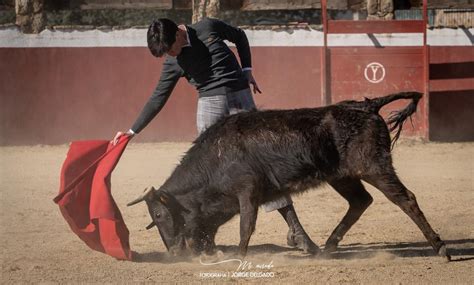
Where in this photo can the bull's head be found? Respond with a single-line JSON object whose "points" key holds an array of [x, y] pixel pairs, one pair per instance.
{"points": [[167, 215]]}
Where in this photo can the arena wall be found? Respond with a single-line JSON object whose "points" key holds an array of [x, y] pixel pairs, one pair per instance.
{"points": [[60, 86]]}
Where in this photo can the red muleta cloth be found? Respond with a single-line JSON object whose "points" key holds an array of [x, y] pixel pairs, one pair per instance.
{"points": [[85, 198]]}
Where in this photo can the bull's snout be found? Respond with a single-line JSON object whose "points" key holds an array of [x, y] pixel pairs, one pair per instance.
{"points": [[180, 248]]}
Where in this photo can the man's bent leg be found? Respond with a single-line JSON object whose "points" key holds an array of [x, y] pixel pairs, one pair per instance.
{"points": [[276, 204], [296, 237], [210, 110]]}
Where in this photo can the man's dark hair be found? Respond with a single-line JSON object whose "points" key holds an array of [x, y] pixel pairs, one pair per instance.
{"points": [[161, 36]]}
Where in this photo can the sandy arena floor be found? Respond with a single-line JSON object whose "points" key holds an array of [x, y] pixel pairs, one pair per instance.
{"points": [[383, 247]]}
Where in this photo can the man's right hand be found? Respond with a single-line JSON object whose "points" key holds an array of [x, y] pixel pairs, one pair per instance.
{"points": [[119, 134], [252, 81]]}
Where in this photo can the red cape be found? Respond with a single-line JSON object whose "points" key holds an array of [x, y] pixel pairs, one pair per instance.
{"points": [[85, 198]]}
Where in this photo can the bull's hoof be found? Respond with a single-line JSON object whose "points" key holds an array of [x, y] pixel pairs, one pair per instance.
{"points": [[330, 248], [290, 239], [302, 242], [443, 252]]}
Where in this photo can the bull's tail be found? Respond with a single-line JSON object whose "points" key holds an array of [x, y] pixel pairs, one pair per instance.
{"points": [[374, 105], [396, 118]]}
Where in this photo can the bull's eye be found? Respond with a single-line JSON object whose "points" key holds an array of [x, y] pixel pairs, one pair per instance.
{"points": [[157, 215]]}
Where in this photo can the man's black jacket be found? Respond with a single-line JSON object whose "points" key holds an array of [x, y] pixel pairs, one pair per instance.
{"points": [[207, 63]]}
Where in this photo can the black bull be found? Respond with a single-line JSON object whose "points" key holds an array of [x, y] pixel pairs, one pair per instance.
{"points": [[251, 158]]}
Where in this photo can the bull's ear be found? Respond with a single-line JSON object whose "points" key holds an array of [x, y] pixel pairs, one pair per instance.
{"points": [[163, 197], [147, 194], [170, 202]]}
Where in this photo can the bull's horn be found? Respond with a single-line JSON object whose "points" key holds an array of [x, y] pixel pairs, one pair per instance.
{"points": [[151, 225], [148, 191]]}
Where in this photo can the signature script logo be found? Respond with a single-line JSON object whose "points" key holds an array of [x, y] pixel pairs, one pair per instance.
{"points": [[245, 269]]}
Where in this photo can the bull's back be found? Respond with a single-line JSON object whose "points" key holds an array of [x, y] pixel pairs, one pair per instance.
{"points": [[288, 146], [291, 146]]}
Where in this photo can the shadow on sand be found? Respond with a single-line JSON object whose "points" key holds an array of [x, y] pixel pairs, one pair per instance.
{"points": [[460, 250]]}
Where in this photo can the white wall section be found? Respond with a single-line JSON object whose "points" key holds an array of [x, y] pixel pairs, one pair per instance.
{"points": [[13, 38]]}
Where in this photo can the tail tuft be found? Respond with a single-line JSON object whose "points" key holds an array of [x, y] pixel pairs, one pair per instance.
{"points": [[397, 119]]}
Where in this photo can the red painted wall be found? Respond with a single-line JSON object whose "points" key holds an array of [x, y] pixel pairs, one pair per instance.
{"points": [[451, 94], [56, 95]]}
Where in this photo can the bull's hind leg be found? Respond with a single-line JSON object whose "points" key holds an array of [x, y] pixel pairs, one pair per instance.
{"points": [[297, 236], [248, 219], [359, 200], [396, 192]]}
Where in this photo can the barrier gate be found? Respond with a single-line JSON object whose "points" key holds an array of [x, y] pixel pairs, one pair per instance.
{"points": [[354, 72]]}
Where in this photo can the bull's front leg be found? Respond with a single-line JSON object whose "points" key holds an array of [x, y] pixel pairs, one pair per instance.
{"points": [[209, 241], [248, 219]]}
